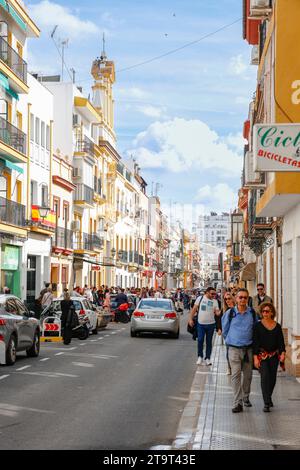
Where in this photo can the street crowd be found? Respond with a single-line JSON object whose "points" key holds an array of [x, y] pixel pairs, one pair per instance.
{"points": [[253, 338]]}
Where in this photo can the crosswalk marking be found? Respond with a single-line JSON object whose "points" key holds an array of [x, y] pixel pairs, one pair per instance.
{"points": [[45, 359], [59, 354]]}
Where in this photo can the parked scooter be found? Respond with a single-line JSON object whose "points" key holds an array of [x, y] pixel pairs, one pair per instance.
{"points": [[82, 330], [121, 314]]}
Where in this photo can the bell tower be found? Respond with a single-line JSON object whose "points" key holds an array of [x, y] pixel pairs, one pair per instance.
{"points": [[103, 72]]}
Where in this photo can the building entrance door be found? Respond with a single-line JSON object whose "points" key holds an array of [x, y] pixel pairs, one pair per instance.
{"points": [[31, 279]]}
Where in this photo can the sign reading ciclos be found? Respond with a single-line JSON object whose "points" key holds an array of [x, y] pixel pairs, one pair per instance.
{"points": [[276, 147]]}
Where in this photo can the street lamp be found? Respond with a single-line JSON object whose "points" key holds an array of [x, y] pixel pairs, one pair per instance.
{"points": [[44, 211]]}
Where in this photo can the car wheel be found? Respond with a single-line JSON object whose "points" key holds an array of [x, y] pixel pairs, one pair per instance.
{"points": [[176, 335], [83, 334], [11, 352], [34, 351], [132, 334], [95, 331]]}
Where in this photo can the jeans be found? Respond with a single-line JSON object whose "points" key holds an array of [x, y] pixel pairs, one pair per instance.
{"points": [[205, 331], [268, 375]]}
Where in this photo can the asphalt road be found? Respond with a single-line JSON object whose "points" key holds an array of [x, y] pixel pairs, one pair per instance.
{"points": [[108, 392]]}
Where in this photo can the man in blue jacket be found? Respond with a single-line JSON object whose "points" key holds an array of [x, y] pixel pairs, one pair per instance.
{"points": [[237, 328]]}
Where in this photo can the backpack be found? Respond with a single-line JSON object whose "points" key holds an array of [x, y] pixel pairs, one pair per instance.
{"points": [[232, 315], [193, 329]]}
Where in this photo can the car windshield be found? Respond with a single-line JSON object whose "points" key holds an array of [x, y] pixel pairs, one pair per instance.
{"points": [[154, 304], [57, 307]]}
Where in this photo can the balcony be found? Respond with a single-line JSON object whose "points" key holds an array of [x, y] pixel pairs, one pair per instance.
{"points": [[133, 257], [42, 224], [62, 241], [258, 225], [13, 142], [98, 190], [88, 242], [260, 9], [12, 213], [13, 67], [123, 256], [85, 145], [84, 195]]}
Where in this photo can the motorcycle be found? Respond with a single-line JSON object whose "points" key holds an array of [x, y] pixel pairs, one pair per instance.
{"points": [[121, 314], [82, 329]]}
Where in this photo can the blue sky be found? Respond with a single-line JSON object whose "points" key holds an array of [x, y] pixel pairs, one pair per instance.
{"points": [[180, 116]]}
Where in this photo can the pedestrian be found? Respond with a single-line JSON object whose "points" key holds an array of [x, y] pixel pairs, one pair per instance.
{"points": [[68, 317], [87, 293], [238, 326], [228, 303], [268, 350], [206, 307], [178, 300], [106, 302], [47, 298], [260, 298]]}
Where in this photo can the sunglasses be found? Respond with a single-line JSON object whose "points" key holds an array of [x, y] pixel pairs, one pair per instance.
{"points": [[242, 297], [266, 311], [260, 288]]}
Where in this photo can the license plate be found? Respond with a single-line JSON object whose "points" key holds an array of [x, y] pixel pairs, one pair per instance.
{"points": [[154, 317]]}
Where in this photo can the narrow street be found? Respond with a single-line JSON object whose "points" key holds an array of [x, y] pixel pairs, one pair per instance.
{"points": [[108, 392]]}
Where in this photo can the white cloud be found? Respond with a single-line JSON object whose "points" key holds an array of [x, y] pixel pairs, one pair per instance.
{"points": [[237, 66], [242, 100], [152, 111], [236, 142], [219, 198], [48, 14], [181, 145]]}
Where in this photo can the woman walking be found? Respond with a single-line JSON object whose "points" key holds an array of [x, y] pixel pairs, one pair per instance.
{"points": [[268, 351], [68, 319], [228, 303]]}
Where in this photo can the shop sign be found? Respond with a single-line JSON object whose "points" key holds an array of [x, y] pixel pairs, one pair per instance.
{"points": [[276, 147], [96, 268], [10, 258]]}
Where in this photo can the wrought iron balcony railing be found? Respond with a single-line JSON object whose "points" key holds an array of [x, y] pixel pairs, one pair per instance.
{"points": [[12, 136], [12, 212], [84, 193], [88, 242], [63, 238], [85, 145], [13, 60]]}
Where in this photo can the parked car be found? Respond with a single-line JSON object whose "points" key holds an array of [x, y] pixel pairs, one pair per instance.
{"points": [[82, 307], [103, 316], [156, 316], [19, 330]]}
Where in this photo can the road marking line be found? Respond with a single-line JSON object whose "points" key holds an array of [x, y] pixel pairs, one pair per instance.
{"points": [[61, 349], [23, 368], [82, 364], [93, 340], [59, 354], [45, 359], [106, 336], [7, 406], [4, 376], [95, 356], [49, 374]]}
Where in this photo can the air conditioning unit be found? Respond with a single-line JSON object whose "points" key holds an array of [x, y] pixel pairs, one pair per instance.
{"points": [[75, 226], [76, 172], [251, 177], [259, 9], [255, 55]]}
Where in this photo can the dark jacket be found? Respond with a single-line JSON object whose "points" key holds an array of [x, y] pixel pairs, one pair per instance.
{"points": [[121, 299], [65, 318]]}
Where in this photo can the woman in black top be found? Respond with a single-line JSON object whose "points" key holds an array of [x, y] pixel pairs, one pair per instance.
{"points": [[67, 312], [268, 351]]}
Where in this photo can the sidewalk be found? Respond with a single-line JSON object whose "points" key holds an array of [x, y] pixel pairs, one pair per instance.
{"points": [[208, 422]]}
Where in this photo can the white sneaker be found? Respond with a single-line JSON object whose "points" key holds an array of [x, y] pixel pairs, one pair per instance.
{"points": [[199, 361], [208, 362]]}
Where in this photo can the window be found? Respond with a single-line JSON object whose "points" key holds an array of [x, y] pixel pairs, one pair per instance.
{"points": [[20, 120], [33, 193], [43, 137], [37, 131], [56, 206], [32, 127], [48, 138], [44, 195], [3, 109]]}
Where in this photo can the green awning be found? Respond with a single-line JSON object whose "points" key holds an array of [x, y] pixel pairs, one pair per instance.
{"points": [[7, 7], [5, 84], [12, 166]]}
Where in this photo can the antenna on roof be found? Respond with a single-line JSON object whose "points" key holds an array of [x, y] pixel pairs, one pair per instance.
{"points": [[103, 54]]}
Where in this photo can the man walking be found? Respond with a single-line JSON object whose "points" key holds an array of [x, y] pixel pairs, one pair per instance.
{"points": [[260, 298], [238, 327], [207, 307]]}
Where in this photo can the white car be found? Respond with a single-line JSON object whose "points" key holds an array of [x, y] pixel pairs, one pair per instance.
{"points": [[82, 307]]}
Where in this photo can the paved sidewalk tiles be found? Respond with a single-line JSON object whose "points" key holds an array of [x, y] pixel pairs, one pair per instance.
{"points": [[208, 423]]}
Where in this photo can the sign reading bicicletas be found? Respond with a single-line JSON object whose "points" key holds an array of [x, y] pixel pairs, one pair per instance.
{"points": [[276, 147]]}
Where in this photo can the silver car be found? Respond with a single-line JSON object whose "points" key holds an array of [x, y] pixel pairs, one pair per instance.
{"points": [[19, 330], [155, 316]]}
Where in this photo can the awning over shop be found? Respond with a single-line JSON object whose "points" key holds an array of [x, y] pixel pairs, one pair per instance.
{"points": [[248, 273], [12, 166], [5, 85]]}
